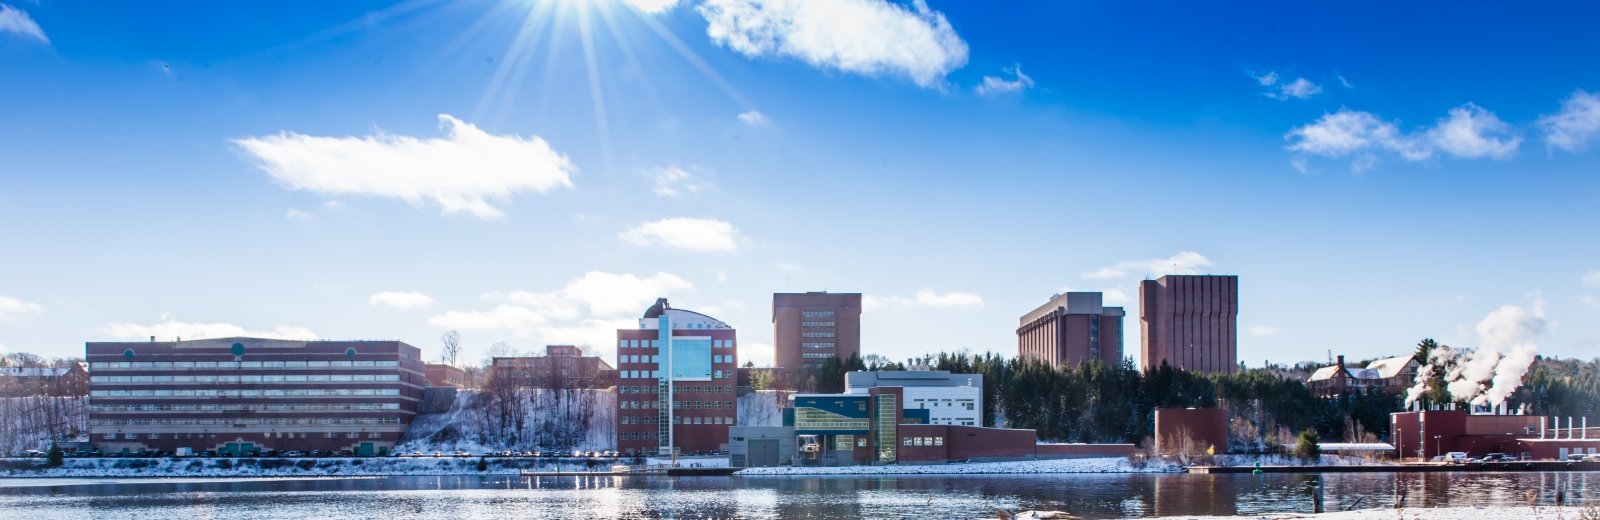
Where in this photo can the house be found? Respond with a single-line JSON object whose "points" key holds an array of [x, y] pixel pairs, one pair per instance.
{"points": [[1385, 375]]}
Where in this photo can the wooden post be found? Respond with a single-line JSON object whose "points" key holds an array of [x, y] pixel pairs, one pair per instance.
{"points": [[1316, 498]]}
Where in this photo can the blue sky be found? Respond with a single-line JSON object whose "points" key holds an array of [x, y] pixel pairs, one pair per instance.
{"points": [[1374, 173]]}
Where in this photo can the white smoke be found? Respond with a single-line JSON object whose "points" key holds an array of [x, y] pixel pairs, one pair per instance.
{"points": [[1487, 375]]}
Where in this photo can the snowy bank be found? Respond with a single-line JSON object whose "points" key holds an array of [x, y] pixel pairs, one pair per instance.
{"points": [[1435, 513], [294, 467], [1094, 465], [1287, 460]]}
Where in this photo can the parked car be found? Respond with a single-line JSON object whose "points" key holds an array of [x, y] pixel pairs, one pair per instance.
{"points": [[1497, 457], [1592, 457], [33, 453], [1456, 457], [1576, 457]]}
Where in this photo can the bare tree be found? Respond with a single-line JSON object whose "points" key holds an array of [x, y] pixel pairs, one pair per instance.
{"points": [[452, 346]]}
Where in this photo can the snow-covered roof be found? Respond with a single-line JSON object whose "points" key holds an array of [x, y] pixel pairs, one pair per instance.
{"points": [[1326, 373], [1356, 446], [1390, 367], [33, 372]]}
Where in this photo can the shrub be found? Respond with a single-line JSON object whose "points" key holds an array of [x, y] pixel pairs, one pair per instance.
{"points": [[55, 457], [1307, 446], [483, 464], [224, 463]]}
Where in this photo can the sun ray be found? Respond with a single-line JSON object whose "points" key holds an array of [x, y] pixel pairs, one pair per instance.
{"points": [[596, 91], [499, 96], [699, 64]]}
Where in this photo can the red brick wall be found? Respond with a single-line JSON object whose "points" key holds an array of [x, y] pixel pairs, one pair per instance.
{"points": [[1208, 426], [971, 442], [1058, 451]]}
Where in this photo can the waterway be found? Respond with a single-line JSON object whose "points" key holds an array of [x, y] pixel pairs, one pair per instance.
{"points": [[939, 497]]}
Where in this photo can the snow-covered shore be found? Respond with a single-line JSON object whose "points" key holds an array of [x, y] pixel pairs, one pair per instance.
{"points": [[290, 467], [1094, 465], [1433, 513]]}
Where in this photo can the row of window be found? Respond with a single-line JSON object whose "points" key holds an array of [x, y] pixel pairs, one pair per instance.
{"points": [[641, 358], [245, 422], [817, 334], [816, 314], [922, 441], [337, 407], [269, 435], [817, 344], [816, 355], [816, 324], [637, 436], [274, 378], [165, 365], [689, 405], [713, 389], [656, 374], [656, 343], [293, 392]]}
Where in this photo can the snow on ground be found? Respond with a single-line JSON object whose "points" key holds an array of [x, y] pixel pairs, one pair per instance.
{"points": [[1286, 460], [1434, 513], [304, 467], [1094, 465], [761, 408], [562, 420], [689, 462]]}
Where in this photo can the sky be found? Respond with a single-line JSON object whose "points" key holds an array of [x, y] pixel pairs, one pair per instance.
{"points": [[539, 171]]}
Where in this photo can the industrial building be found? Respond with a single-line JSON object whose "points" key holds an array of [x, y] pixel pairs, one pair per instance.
{"points": [[951, 399], [1190, 322], [1071, 328], [1427, 434]]}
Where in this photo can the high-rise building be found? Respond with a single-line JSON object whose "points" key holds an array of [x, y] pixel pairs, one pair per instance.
{"points": [[808, 328], [1190, 322], [675, 383], [238, 396], [1072, 328]]}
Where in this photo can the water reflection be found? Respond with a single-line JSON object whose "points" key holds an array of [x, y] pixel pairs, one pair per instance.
{"points": [[949, 497]]}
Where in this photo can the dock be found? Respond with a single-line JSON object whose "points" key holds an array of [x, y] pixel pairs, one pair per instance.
{"points": [[1474, 467]]}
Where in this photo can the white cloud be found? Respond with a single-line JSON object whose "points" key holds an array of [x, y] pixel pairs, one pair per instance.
{"points": [[401, 300], [1469, 132], [1590, 301], [1592, 278], [1348, 131], [17, 21], [168, 329], [761, 354], [789, 267], [295, 214], [1575, 125], [923, 298], [721, 308], [652, 6], [586, 311], [1472, 132], [11, 308], [755, 118], [868, 37], [1185, 262], [1300, 88], [1263, 330], [996, 85], [673, 182], [1116, 297], [461, 172], [688, 234]]}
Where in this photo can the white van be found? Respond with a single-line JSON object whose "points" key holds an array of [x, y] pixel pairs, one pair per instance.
{"points": [[1456, 457]]}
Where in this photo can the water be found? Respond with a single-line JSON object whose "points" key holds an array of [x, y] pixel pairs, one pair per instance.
{"points": [[950, 497]]}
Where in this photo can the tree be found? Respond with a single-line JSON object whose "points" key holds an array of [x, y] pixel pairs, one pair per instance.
{"points": [[55, 456], [452, 346], [1306, 445], [760, 379]]}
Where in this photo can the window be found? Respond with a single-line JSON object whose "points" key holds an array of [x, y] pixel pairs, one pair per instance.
{"points": [[817, 345], [816, 324], [817, 334], [816, 314]]}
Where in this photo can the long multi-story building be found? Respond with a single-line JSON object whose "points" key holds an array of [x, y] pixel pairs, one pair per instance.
{"points": [[1190, 322], [676, 375], [563, 367], [1072, 328], [248, 395], [810, 328]]}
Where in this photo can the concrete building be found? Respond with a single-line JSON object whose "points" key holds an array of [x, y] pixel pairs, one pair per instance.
{"points": [[760, 446], [563, 367], [1072, 328], [675, 383], [1190, 322], [808, 328], [949, 399], [242, 395]]}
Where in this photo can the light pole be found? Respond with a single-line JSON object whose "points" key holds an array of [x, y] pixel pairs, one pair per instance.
{"points": [[1436, 444]]}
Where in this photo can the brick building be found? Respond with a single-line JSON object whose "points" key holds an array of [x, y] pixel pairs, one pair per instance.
{"points": [[676, 375], [563, 367], [69, 381], [1431, 433], [1071, 328], [808, 328], [243, 395], [444, 375], [1190, 322], [1390, 375]]}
